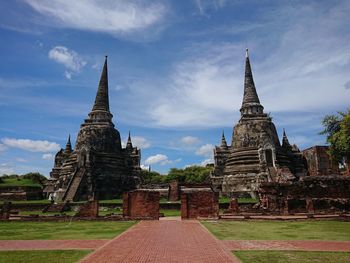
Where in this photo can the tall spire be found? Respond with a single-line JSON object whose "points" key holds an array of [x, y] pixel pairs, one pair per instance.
{"points": [[129, 143], [100, 111], [102, 100], [285, 142], [68, 146], [251, 103], [223, 141]]}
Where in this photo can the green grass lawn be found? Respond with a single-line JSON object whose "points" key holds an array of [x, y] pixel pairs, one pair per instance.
{"points": [[18, 182], [52, 256], [62, 230], [170, 212], [255, 256], [280, 230]]}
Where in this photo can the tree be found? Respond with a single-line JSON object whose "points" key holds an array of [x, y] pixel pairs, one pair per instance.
{"points": [[337, 129]]}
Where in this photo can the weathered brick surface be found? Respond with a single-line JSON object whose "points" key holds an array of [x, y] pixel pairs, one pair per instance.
{"points": [[89, 209], [312, 193], [319, 162], [164, 241], [174, 191], [5, 211], [199, 202], [141, 204]]}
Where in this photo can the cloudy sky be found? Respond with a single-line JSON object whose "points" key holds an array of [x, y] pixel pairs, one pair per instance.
{"points": [[175, 72]]}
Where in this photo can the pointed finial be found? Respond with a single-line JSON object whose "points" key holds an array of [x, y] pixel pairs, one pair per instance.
{"points": [[246, 53], [129, 143], [285, 141], [68, 145], [223, 140]]}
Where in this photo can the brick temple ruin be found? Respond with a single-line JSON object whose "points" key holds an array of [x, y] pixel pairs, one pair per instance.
{"points": [[98, 167], [255, 154]]}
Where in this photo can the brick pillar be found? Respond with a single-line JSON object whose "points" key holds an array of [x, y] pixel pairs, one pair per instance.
{"points": [[5, 211], [126, 210], [174, 191], [309, 205], [184, 205], [285, 207], [233, 205], [89, 209]]}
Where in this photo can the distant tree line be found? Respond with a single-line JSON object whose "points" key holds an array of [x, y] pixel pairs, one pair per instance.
{"points": [[191, 174]]}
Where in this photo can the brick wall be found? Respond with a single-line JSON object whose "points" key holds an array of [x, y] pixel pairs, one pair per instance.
{"points": [[319, 162], [197, 202], [174, 191], [311, 194], [140, 204], [89, 209]]}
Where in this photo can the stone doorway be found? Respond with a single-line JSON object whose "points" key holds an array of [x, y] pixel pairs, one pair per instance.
{"points": [[268, 158]]}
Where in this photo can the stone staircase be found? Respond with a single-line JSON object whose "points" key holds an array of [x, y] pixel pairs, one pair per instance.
{"points": [[74, 185]]}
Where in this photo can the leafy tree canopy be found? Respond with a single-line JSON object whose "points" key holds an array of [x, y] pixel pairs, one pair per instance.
{"points": [[337, 129], [191, 174]]}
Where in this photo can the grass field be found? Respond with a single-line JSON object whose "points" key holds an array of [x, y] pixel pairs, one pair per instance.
{"points": [[170, 212], [280, 230], [52, 256], [292, 256], [62, 230], [18, 182]]}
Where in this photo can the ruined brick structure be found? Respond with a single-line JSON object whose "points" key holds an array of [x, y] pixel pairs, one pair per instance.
{"points": [[311, 194], [88, 209], [255, 154], [319, 162], [98, 167], [174, 191], [141, 204], [199, 203]]}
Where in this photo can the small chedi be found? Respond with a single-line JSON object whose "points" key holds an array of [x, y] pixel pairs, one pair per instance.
{"points": [[98, 167], [255, 154]]}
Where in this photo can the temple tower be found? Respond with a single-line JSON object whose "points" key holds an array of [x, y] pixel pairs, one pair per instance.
{"points": [[255, 154], [98, 167]]}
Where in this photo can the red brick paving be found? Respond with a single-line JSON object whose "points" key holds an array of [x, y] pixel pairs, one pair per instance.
{"points": [[311, 245], [163, 241], [50, 244]]}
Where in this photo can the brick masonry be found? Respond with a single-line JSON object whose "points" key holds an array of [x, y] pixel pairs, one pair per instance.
{"points": [[199, 202], [141, 204], [89, 209], [319, 162]]}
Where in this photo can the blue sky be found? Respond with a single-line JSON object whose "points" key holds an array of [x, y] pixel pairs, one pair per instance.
{"points": [[175, 72]]}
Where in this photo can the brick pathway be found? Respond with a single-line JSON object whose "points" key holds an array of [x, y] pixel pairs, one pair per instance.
{"points": [[311, 245], [50, 244], [163, 241]]}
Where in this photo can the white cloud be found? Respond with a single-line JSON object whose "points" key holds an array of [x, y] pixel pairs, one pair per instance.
{"points": [[144, 167], [69, 58], [6, 168], [2, 147], [158, 158], [113, 17], [205, 150], [31, 145], [48, 156], [189, 140], [207, 161], [139, 142], [206, 5]]}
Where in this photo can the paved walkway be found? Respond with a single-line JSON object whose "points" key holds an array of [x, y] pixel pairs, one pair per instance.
{"points": [[163, 241], [50, 244], [311, 245]]}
